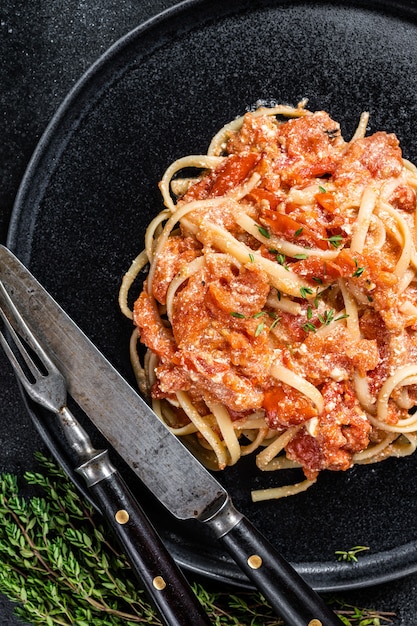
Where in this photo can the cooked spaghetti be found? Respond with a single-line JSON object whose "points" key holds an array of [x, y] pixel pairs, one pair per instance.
{"points": [[279, 311]]}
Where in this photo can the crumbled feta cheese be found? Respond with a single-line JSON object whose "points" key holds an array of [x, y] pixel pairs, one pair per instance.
{"points": [[338, 374]]}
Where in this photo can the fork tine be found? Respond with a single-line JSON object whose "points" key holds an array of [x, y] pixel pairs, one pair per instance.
{"points": [[15, 323], [48, 387], [13, 361], [34, 370]]}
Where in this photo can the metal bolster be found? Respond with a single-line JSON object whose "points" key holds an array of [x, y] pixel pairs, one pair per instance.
{"points": [[97, 468], [223, 519]]}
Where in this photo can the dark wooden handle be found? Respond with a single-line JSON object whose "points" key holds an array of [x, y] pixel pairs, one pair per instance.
{"points": [[167, 587], [287, 592]]}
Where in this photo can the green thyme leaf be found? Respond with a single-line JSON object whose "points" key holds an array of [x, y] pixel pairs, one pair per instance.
{"points": [[350, 555], [238, 315], [317, 298], [282, 260], [259, 329], [305, 291], [317, 280], [276, 319], [327, 317], [342, 317], [309, 327], [264, 232], [335, 240], [359, 270]]}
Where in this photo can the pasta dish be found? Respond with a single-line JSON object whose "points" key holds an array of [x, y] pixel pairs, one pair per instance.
{"points": [[279, 309]]}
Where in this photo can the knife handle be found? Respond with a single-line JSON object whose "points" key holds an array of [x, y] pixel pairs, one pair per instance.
{"points": [[166, 585], [286, 591]]}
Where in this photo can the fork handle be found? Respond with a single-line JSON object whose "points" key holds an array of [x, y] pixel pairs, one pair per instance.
{"points": [[166, 585]]}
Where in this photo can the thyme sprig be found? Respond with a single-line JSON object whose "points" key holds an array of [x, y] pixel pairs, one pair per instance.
{"points": [[57, 563], [352, 615], [350, 555]]}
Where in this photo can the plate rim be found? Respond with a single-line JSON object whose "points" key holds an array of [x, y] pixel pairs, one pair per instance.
{"points": [[64, 121]]}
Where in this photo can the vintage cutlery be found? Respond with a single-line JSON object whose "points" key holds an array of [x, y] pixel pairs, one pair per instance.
{"points": [[160, 460], [45, 385]]}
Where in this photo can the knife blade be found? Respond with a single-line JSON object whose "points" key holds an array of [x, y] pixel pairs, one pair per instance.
{"points": [[158, 458]]}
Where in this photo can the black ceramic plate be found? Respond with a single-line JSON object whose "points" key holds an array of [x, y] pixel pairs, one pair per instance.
{"points": [[161, 93]]}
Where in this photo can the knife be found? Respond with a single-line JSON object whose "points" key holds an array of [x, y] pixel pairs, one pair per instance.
{"points": [[168, 469]]}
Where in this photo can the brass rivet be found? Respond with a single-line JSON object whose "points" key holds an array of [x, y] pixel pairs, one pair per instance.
{"points": [[255, 562], [315, 622], [122, 516], [159, 583]]}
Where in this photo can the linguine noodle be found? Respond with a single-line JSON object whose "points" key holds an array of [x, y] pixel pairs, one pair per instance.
{"points": [[279, 312]]}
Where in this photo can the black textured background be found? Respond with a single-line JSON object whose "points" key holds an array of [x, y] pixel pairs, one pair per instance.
{"points": [[44, 49]]}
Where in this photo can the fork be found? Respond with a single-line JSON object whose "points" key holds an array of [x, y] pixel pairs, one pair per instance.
{"points": [[43, 382]]}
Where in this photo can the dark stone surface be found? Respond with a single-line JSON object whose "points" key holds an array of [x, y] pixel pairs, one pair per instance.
{"points": [[45, 47]]}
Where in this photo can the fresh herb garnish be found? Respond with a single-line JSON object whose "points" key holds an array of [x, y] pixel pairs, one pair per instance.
{"points": [[264, 232], [300, 256], [341, 317], [325, 318], [305, 291], [298, 232], [350, 555], [317, 298], [282, 260], [322, 189], [251, 258], [260, 327], [275, 317], [238, 315], [309, 327], [334, 240], [328, 316], [359, 270]]}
